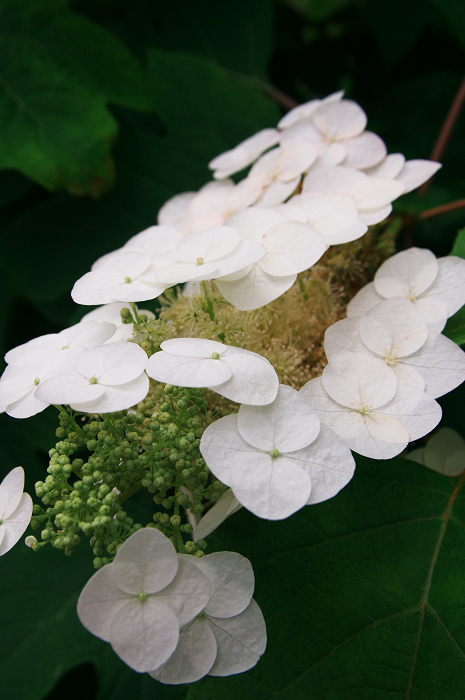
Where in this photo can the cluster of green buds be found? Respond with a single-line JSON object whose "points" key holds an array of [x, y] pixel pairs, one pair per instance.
{"points": [[119, 454]]}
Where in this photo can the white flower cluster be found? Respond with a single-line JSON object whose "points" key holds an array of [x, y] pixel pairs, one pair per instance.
{"points": [[387, 360], [323, 181], [173, 615]]}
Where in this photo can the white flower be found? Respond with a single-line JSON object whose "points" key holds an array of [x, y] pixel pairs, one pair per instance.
{"points": [[277, 173], [359, 398], [444, 452], [290, 247], [239, 375], [111, 313], [411, 173], [175, 212], [215, 252], [307, 109], [394, 331], [436, 287], [139, 602], [105, 379], [229, 635], [243, 154], [120, 276], [277, 458], [84, 335], [15, 509]]}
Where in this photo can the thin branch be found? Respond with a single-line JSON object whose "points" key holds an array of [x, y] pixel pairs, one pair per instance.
{"points": [[446, 130], [276, 94], [443, 209]]}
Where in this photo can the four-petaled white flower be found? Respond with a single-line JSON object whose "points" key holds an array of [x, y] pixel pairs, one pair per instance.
{"points": [[139, 602], [229, 635], [15, 509], [238, 375], [277, 458]]}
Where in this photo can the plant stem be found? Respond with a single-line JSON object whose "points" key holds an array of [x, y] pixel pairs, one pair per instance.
{"points": [[446, 130], [443, 209], [129, 492], [208, 302]]}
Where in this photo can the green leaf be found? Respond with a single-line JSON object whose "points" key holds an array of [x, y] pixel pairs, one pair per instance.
{"points": [[453, 12], [58, 72], [455, 327], [319, 10], [214, 115], [363, 595], [459, 244], [212, 111]]}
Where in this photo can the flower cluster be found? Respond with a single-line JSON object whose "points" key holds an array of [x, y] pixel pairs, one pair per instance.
{"points": [[387, 362], [318, 180], [175, 616]]}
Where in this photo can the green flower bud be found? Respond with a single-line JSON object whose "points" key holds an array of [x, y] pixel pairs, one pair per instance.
{"points": [[175, 520]]}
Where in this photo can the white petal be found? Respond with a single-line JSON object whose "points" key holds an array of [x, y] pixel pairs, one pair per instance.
{"points": [[277, 192], [377, 436], [187, 371], [358, 381], [441, 363], [231, 581], [16, 523], [99, 601], [341, 229], [222, 447], [340, 120], [193, 347], [226, 505], [244, 153], [211, 244], [408, 375], [175, 212], [144, 635], [146, 562], [254, 290], [434, 312], [253, 380], [307, 109], [407, 274], [287, 424], [270, 488], [241, 640], [154, 240], [193, 658], [416, 172], [375, 216], [343, 336], [26, 407], [11, 491], [317, 397], [188, 593], [445, 452], [329, 464], [291, 247], [295, 158], [363, 301], [117, 363], [390, 167], [418, 412], [364, 151], [117, 398], [393, 328], [449, 285], [68, 389]]}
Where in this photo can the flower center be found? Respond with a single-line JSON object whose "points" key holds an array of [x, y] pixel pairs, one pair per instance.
{"points": [[93, 380], [142, 596], [127, 280], [36, 381], [390, 359], [274, 454], [199, 261], [216, 356], [365, 410]]}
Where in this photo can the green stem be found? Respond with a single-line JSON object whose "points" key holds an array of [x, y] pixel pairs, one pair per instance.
{"points": [[129, 492], [71, 414], [135, 312], [208, 302], [302, 288], [177, 531], [110, 425]]}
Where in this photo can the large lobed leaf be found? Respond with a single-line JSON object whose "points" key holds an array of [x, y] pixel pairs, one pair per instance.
{"points": [[58, 71], [363, 595]]}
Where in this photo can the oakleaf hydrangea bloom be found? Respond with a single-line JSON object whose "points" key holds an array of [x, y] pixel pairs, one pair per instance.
{"points": [[139, 602], [436, 287], [112, 313], [290, 247], [277, 458], [444, 452], [214, 252], [229, 635], [238, 375], [15, 509], [108, 378], [394, 331], [358, 396]]}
